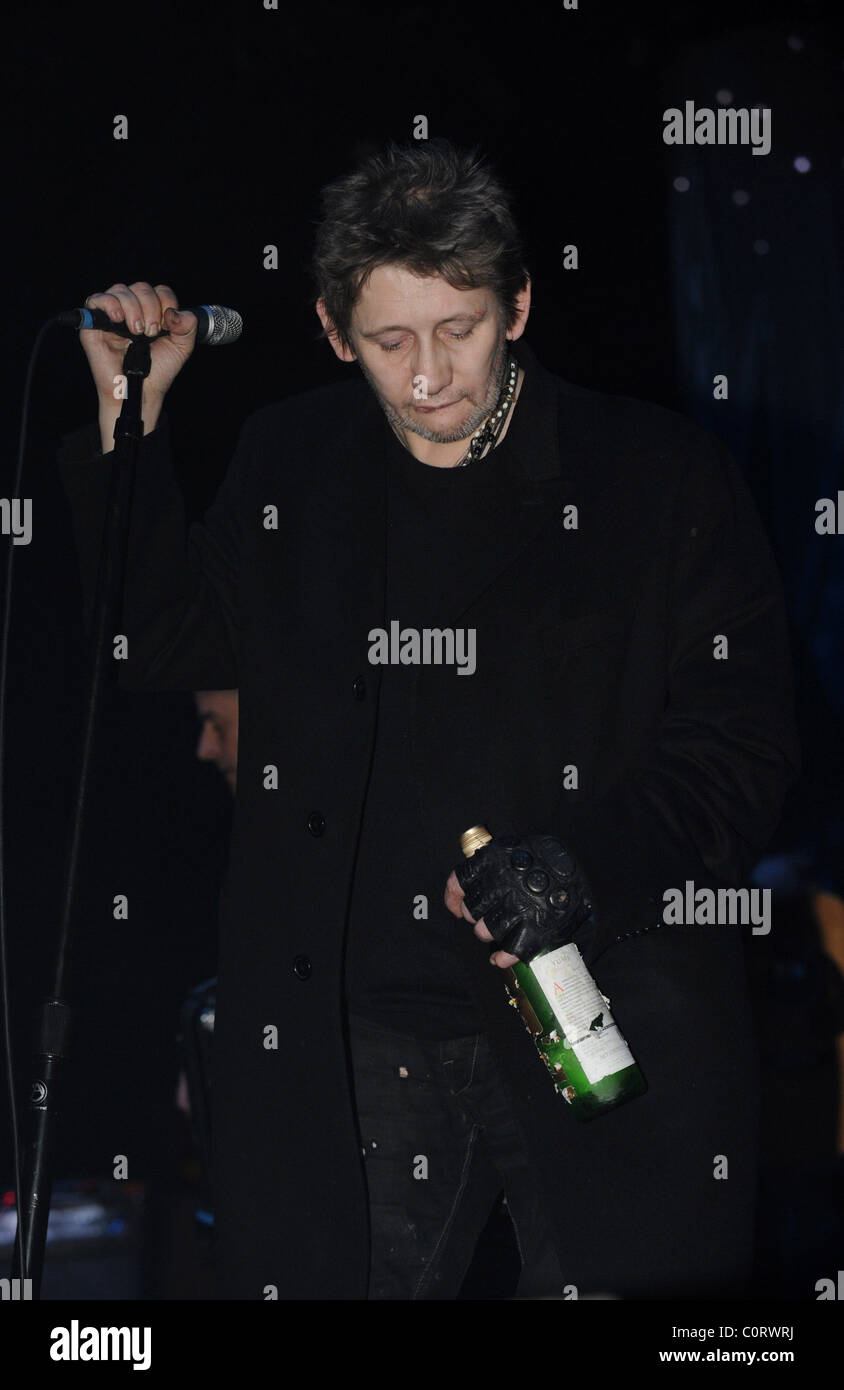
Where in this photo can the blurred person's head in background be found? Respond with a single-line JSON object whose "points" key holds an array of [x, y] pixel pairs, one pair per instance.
{"points": [[217, 710]]}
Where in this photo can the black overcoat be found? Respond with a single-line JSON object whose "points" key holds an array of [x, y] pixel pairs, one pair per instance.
{"points": [[682, 763]]}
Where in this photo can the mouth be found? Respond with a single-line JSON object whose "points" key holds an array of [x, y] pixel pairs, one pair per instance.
{"points": [[429, 409]]}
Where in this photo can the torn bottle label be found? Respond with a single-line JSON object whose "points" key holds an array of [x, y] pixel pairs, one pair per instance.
{"points": [[582, 1012]]}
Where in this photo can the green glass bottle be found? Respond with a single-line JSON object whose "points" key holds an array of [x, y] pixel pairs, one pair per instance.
{"points": [[570, 1022]]}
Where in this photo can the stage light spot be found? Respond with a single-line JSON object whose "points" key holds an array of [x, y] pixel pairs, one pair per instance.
{"points": [[681, 185], [802, 164], [761, 247], [723, 96], [795, 43], [740, 197]]}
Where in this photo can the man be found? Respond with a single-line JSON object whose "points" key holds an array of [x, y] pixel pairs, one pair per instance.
{"points": [[217, 743], [461, 592], [217, 710], [186, 1267]]}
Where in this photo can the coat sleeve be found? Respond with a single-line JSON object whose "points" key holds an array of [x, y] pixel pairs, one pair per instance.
{"points": [[708, 796], [179, 607]]}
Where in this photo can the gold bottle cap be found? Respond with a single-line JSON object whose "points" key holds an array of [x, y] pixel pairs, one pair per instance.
{"points": [[473, 839]]}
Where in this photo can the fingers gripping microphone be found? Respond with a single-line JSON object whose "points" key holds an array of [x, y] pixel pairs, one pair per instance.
{"points": [[217, 326]]}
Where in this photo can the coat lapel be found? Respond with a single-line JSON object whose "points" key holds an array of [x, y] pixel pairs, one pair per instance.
{"points": [[532, 439], [343, 537]]}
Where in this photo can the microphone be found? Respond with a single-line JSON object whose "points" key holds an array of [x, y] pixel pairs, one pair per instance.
{"points": [[217, 326]]}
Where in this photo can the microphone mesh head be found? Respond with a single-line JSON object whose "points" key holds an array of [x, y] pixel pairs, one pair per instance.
{"points": [[224, 325]]}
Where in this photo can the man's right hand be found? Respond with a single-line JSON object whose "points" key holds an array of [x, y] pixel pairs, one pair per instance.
{"points": [[144, 309]]}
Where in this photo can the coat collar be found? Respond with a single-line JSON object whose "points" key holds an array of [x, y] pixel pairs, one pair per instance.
{"points": [[533, 435]]}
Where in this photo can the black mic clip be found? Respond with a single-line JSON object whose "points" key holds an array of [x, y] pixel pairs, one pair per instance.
{"points": [[137, 359]]}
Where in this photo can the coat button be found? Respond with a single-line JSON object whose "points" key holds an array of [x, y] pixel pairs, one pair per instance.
{"points": [[359, 688], [316, 823], [302, 967]]}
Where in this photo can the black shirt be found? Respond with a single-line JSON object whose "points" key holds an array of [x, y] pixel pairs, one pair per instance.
{"points": [[444, 525]]}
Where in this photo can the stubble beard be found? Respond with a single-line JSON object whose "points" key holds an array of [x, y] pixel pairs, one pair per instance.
{"points": [[480, 409]]}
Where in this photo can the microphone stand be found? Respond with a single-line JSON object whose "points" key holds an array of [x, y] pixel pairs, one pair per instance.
{"points": [[54, 1015]]}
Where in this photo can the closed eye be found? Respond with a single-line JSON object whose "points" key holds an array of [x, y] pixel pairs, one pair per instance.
{"points": [[392, 347]]}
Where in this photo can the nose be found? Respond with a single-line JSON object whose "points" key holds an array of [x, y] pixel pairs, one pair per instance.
{"points": [[208, 748], [432, 365]]}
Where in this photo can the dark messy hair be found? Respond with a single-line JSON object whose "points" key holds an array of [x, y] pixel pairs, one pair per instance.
{"points": [[430, 207]]}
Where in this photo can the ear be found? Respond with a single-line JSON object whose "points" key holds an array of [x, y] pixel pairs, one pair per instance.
{"points": [[345, 354], [522, 311]]}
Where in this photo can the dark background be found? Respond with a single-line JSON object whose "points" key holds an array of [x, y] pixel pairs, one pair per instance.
{"points": [[237, 117]]}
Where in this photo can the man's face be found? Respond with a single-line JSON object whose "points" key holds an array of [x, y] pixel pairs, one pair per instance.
{"points": [[217, 711], [435, 356]]}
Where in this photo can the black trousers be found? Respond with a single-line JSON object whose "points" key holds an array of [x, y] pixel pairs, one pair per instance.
{"points": [[439, 1144]]}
